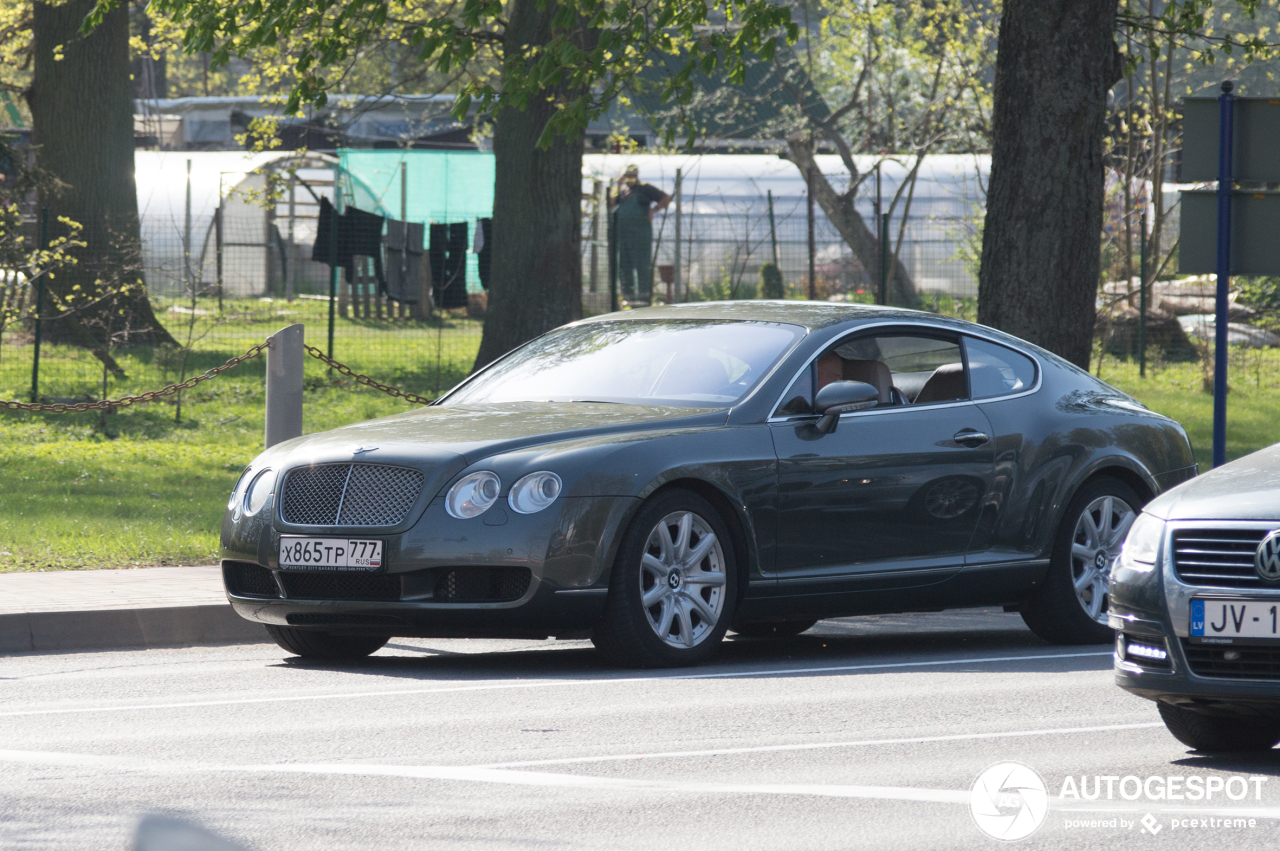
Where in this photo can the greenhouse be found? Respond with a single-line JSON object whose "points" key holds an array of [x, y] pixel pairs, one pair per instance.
{"points": [[262, 244]]}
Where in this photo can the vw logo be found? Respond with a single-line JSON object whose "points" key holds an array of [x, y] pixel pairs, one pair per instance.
{"points": [[1267, 559]]}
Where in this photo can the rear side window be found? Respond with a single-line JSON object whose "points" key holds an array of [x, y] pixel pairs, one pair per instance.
{"points": [[995, 370]]}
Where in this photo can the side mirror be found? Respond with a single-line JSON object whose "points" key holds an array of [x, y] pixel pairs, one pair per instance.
{"points": [[843, 397]]}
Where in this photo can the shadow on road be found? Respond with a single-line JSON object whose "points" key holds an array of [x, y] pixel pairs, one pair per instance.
{"points": [[1267, 762], [896, 643]]}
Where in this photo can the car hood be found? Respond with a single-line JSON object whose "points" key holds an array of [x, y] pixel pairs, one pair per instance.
{"points": [[449, 436], [1245, 489]]}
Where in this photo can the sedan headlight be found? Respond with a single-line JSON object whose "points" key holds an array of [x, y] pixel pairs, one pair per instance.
{"points": [[1142, 543], [473, 495], [258, 491], [534, 492]]}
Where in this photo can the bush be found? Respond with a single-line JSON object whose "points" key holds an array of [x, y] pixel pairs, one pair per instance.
{"points": [[771, 285]]}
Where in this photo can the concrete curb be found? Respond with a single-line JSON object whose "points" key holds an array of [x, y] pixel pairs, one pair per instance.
{"points": [[157, 626]]}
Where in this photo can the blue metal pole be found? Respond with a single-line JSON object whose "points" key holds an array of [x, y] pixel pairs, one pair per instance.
{"points": [[1225, 124]]}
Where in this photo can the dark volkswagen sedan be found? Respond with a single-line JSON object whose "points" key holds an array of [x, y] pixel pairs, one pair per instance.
{"points": [[1197, 607], [657, 478]]}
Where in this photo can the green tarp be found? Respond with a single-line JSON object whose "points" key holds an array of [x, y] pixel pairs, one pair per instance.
{"points": [[443, 187]]}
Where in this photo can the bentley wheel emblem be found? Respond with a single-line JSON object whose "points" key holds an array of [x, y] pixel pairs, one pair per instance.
{"points": [[1267, 559]]}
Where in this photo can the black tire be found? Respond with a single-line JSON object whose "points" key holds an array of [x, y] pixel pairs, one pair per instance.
{"points": [[776, 629], [323, 646], [1055, 612], [625, 634], [1218, 732]]}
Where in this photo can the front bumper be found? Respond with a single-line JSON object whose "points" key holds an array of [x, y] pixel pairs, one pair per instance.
{"points": [[498, 575], [1152, 611]]}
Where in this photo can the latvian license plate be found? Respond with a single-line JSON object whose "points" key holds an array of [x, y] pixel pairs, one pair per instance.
{"points": [[329, 553], [1226, 620]]}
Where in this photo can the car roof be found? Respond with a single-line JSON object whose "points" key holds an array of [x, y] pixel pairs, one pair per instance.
{"points": [[813, 315]]}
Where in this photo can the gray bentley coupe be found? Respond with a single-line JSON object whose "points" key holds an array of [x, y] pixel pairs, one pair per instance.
{"points": [[654, 478]]}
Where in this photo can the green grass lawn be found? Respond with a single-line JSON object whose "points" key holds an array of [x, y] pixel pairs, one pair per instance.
{"points": [[148, 490], [151, 491]]}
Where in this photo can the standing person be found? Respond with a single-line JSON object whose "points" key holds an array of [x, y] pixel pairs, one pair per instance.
{"points": [[633, 211]]}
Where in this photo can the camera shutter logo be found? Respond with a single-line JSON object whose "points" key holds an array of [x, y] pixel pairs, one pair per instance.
{"points": [[1267, 559], [1009, 801]]}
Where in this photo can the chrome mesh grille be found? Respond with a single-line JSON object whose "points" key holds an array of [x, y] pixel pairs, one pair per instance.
{"points": [[1219, 557], [379, 496], [311, 495], [349, 495]]}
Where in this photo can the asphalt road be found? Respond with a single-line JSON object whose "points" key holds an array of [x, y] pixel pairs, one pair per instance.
{"points": [[863, 733]]}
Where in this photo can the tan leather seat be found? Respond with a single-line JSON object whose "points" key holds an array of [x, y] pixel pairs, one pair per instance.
{"points": [[945, 385], [871, 372]]}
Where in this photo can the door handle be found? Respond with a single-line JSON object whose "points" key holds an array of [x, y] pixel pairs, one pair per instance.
{"points": [[970, 438]]}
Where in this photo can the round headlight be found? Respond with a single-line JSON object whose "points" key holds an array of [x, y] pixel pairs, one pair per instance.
{"points": [[237, 492], [473, 495], [534, 492], [259, 489]]}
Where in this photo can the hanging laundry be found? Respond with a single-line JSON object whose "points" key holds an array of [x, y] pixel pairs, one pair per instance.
{"points": [[484, 250], [404, 261], [359, 232], [448, 258]]}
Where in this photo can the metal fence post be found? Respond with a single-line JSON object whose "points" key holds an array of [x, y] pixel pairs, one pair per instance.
{"points": [[1142, 298], [285, 361], [675, 278], [773, 231], [1224, 275], [813, 247], [884, 258], [35, 356], [333, 254]]}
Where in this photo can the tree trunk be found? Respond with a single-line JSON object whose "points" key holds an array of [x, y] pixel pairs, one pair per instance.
{"points": [[1042, 237], [82, 123], [842, 213], [536, 274]]}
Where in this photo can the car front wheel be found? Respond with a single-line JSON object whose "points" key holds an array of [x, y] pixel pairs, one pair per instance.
{"points": [[1217, 732], [1071, 606], [325, 647], [673, 588]]}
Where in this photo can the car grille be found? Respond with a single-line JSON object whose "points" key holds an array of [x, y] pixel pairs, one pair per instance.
{"points": [[248, 580], [1251, 663], [381, 587], [481, 584], [349, 495], [1218, 557]]}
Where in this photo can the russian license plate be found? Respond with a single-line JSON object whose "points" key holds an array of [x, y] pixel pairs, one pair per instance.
{"points": [[329, 553], [1231, 619]]}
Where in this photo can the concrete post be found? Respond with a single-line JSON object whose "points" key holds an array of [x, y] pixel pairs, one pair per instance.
{"points": [[285, 360]]}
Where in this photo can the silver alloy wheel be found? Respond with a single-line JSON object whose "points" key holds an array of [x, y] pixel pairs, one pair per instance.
{"points": [[682, 579], [1095, 546]]}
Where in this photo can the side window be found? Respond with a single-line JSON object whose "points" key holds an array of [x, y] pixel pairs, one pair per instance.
{"points": [[799, 398], [995, 370], [905, 369]]}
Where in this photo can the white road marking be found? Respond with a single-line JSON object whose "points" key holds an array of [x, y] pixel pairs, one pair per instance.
{"points": [[480, 774], [484, 774], [78, 710], [863, 743]]}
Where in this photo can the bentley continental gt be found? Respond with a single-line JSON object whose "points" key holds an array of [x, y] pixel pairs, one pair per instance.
{"points": [[654, 478]]}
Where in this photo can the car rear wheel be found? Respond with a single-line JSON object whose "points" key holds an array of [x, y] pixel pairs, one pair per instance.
{"points": [[673, 588], [1071, 605], [324, 646], [1217, 732], [774, 629]]}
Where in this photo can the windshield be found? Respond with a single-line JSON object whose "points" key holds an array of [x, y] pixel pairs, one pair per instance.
{"points": [[663, 362]]}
